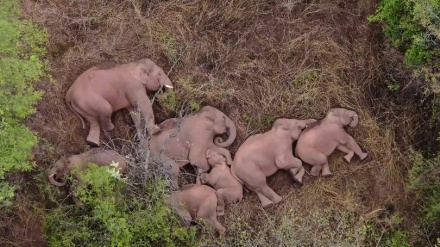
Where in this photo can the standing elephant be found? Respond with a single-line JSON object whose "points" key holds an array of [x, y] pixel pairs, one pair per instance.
{"points": [[99, 156], [181, 143], [261, 155], [100, 91], [228, 188], [316, 143], [196, 201]]}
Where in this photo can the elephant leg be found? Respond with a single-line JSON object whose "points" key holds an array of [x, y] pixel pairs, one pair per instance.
{"points": [[184, 215], [135, 117], [146, 110], [352, 144], [298, 174], [294, 165], [349, 153], [263, 199], [174, 171], [316, 170], [326, 170], [270, 194], [94, 132], [106, 122], [212, 220], [221, 201]]}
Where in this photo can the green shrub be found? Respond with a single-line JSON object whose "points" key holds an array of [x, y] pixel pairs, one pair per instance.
{"points": [[424, 182], [21, 48], [424, 185], [414, 26], [114, 216]]}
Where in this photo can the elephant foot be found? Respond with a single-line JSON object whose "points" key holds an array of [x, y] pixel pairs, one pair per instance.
{"points": [[266, 204], [327, 175], [92, 142], [363, 156], [154, 130], [314, 172], [298, 180], [109, 127], [347, 158]]}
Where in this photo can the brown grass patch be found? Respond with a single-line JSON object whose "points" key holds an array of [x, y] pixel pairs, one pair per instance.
{"points": [[254, 60]]}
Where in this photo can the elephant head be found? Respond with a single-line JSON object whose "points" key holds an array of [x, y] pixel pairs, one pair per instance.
{"points": [[291, 127], [58, 171], [343, 116], [224, 125], [152, 76], [218, 156]]}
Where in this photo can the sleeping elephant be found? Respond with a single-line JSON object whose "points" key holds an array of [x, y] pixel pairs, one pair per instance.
{"points": [[316, 143], [100, 91], [228, 188], [98, 156], [178, 144], [196, 201], [261, 155]]}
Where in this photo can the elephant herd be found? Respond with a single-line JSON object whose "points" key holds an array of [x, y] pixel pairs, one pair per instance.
{"points": [[198, 139]]}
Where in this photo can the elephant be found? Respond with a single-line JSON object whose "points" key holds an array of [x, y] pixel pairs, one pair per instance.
{"points": [[178, 144], [318, 142], [98, 156], [100, 91], [261, 155], [196, 201], [228, 188]]}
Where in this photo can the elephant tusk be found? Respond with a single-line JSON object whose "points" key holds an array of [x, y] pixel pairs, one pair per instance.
{"points": [[168, 86], [51, 175]]}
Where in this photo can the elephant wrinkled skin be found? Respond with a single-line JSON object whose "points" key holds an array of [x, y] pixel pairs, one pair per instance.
{"points": [[261, 155], [318, 142], [228, 188], [178, 144], [196, 201], [100, 91]]}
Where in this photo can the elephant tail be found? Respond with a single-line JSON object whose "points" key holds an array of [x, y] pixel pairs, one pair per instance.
{"points": [[68, 102]]}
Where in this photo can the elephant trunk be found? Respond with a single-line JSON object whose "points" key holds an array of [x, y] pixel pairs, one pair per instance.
{"points": [[354, 119], [232, 133], [225, 153], [52, 174]]}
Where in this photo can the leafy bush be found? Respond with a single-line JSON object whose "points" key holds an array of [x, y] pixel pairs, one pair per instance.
{"points": [[424, 184], [21, 48], [115, 216], [414, 26]]}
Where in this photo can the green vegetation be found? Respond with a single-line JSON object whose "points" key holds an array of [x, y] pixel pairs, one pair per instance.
{"points": [[21, 49], [116, 216], [424, 184], [414, 26]]}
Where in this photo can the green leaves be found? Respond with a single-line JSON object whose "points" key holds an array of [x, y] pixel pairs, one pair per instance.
{"points": [[413, 25], [21, 49], [115, 216]]}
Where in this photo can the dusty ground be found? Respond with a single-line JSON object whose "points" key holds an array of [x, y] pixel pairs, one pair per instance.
{"points": [[254, 60]]}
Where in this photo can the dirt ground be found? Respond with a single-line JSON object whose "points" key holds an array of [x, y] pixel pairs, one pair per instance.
{"points": [[255, 61]]}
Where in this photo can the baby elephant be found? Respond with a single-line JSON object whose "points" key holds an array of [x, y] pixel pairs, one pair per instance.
{"points": [[228, 187], [99, 156], [196, 201]]}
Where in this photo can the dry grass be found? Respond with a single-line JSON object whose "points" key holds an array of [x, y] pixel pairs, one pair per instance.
{"points": [[254, 60]]}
